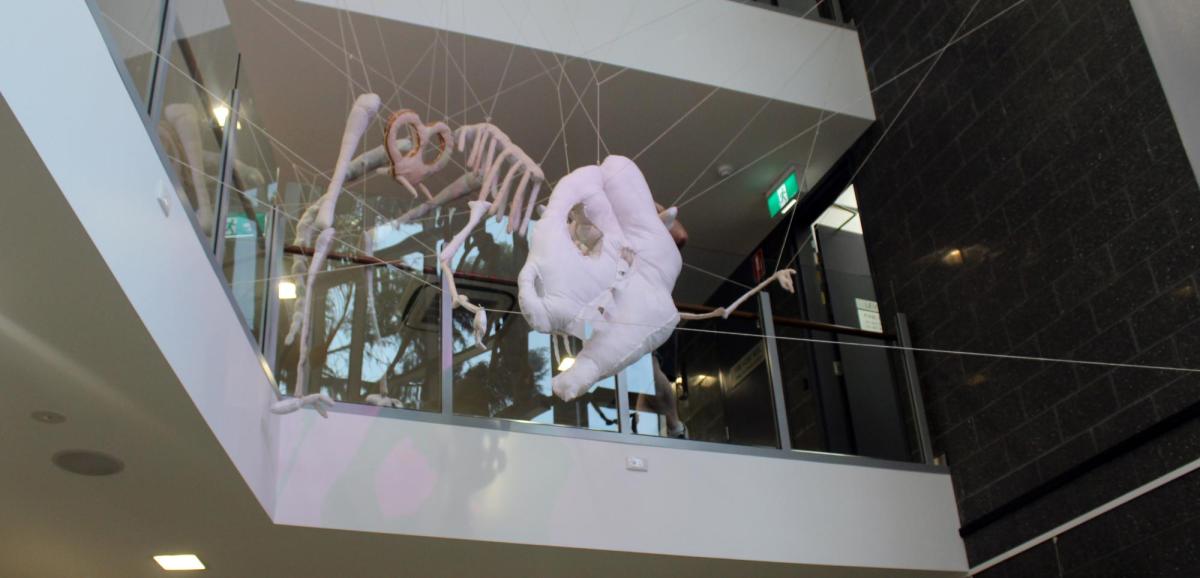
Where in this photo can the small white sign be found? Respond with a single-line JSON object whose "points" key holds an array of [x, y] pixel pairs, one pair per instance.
{"points": [[870, 320], [868, 315], [867, 305]]}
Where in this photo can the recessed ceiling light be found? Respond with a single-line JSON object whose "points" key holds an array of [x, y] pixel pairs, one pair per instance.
{"points": [[87, 462], [287, 290], [176, 562], [46, 416], [566, 363]]}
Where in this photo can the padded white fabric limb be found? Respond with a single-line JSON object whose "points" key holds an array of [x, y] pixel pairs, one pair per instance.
{"points": [[602, 256], [621, 288]]}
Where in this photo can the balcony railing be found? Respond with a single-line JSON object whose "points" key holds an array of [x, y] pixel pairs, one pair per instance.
{"points": [[768, 380]]}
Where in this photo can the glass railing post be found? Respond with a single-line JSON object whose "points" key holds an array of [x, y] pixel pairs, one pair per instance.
{"points": [[162, 60], [447, 328], [773, 371], [912, 382], [273, 271], [226, 171], [624, 424]]}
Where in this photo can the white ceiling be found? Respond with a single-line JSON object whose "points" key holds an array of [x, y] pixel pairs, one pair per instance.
{"points": [[300, 78]]}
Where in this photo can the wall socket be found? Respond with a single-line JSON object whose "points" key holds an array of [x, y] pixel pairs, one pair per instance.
{"points": [[164, 198], [636, 464]]}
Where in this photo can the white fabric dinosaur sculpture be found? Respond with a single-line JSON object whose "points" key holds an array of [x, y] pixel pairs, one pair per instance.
{"points": [[601, 256]]}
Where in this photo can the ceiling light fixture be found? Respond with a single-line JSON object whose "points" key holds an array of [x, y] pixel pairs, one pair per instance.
{"points": [[176, 562], [789, 206], [566, 363], [46, 416], [287, 290], [87, 462]]}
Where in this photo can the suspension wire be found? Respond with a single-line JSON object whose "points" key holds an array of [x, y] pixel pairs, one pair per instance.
{"points": [[821, 120], [888, 346], [351, 85], [432, 71], [496, 99], [561, 132], [283, 147], [558, 91], [449, 57], [446, 43], [835, 114], [804, 173], [561, 67], [915, 89], [314, 49], [722, 277], [954, 38], [354, 249], [746, 125], [609, 42]]}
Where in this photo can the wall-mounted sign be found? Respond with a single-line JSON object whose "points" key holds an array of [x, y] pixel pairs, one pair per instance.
{"points": [[868, 315], [783, 197], [240, 225]]}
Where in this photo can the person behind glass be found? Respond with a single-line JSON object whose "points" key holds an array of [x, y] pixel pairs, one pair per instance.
{"points": [[665, 369]]}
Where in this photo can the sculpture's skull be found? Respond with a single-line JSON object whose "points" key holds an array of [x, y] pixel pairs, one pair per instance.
{"points": [[410, 167], [621, 285]]}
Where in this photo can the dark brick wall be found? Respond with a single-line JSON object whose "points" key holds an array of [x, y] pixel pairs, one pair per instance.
{"points": [[1033, 198]]}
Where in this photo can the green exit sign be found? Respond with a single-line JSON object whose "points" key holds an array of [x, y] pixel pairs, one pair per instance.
{"points": [[241, 225], [783, 197]]}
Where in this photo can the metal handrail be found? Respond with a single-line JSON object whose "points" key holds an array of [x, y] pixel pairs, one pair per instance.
{"points": [[684, 307]]}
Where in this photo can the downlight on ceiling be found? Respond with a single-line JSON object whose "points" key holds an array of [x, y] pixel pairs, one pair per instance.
{"points": [[177, 562], [48, 417], [87, 462], [566, 363], [953, 257]]}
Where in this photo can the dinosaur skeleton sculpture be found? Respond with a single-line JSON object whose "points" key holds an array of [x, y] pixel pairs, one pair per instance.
{"points": [[601, 267]]}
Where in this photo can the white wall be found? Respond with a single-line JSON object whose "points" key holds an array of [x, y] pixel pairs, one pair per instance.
{"points": [[60, 81], [714, 42], [400, 476], [1172, 32]]}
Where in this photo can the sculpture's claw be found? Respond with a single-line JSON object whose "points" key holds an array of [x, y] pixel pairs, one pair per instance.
{"points": [[408, 186], [285, 406], [380, 400], [786, 279], [480, 328], [319, 401], [575, 381]]}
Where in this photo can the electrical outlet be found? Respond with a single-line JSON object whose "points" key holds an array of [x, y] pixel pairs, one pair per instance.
{"points": [[164, 198], [636, 464]]}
